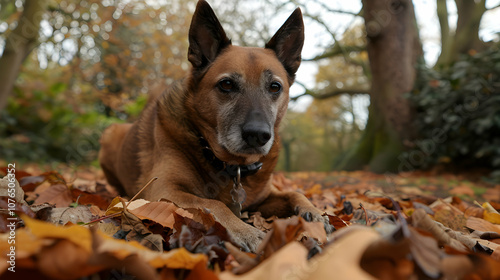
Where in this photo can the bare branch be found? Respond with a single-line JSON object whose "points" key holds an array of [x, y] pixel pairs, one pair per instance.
{"points": [[324, 6], [336, 50], [331, 93]]}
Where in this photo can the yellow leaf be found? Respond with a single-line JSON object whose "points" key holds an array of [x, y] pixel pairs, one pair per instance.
{"points": [[76, 234], [491, 217], [490, 214], [26, 244], [177, 258], [487, 207]]}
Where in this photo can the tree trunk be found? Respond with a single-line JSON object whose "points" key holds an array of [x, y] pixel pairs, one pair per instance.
{"points": [[393, 49], [466, 35], [287, 154], [18, 45]]}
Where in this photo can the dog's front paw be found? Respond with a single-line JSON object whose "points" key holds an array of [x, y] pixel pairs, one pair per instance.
{"points": [[247, 237], [311, 214]]}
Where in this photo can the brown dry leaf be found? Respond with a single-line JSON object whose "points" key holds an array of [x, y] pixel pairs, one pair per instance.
{"points": [[137, 231], [116, 205], [284, 264], [175, 259], [337, 222], [388, 259], [161, 212], [282, 183], [75, 215], [426, 252], [421, 220], [315, 189], [18, 191], [283, 232], [449, 215], [260, 222], [287, 230], [19, 173], [482, 225], [65, 260], [29, 183], [456, 267], [59, 195], [496, 254], [86, 198], [485, 267], [19, 208], [341, 259]]}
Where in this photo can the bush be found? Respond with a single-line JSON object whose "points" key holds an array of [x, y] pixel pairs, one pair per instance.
{"points": [[458, 114], [50, 125]]}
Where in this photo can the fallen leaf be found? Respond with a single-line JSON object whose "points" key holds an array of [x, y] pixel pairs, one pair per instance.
{"points": [[420, 219], [426, 252], [76, 234], [65, 260], [19, 174], [75, 215], [135, 230], [30, 183], [6, 190], [284, 264], [59, 195], [175, 259], [490, 214], [482, 225], [161, 212], [86, 198]]}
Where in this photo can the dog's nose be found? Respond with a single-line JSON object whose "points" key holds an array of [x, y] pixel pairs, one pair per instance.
{"points": [[256, 134]]}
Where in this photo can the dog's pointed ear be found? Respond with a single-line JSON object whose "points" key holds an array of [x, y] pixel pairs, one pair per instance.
{"points": [[206, 36], [288, 41]]}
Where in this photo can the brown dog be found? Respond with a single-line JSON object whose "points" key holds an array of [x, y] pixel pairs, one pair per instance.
{"points": [[212, 139]]}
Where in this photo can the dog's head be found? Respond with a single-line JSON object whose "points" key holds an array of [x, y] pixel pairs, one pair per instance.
{"points": [[239, 95]]}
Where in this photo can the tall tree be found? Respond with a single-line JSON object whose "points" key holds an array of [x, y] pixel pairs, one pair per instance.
{"points": [[18, 45], [393, 49]]}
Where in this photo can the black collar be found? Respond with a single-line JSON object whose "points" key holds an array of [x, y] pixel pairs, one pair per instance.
{"points": [[230, 169]]}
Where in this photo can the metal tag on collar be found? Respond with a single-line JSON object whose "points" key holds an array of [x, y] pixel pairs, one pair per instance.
{"points": [[238, 194]]}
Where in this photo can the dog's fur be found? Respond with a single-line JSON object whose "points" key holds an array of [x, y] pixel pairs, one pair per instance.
{"points": [[239, 124]]}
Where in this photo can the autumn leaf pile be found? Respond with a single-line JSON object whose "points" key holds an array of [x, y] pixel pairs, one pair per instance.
{"points": [[71, 224]]}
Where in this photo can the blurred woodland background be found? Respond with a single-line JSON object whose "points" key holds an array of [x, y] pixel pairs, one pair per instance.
{"points": [[377, 98]]}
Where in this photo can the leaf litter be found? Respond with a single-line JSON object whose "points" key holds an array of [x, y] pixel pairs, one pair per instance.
{"points": [[72, 225]]}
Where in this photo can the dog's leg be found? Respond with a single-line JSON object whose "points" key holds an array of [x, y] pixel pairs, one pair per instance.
{"points": [[286, 204], [111, 142], [242, 234]]}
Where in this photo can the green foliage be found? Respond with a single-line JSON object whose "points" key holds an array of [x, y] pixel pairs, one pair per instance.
{"points": [[458, 113], [134, 109], [42, 126]]}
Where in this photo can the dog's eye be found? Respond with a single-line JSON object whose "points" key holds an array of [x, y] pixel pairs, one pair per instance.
{"points": [[226, 85], [275, 87]]}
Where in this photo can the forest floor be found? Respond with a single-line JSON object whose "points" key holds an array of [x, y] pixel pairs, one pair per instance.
{"points": [[70, 223]]}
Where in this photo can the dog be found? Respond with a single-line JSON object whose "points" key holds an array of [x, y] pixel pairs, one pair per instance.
{"points": [[212, 138]]}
